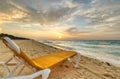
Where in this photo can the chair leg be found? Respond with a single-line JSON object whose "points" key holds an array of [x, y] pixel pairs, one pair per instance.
{"points": [[21, 70], [69, 59], [13, 70], [5, 67], [77, 61], [46, 73]]}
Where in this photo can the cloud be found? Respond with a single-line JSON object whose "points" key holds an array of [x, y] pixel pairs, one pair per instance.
{"points": [[50, 12], [26, 11], [9, 12], [77, 31], [102, 15], [106, 13], [80, 16], [113, 28]]}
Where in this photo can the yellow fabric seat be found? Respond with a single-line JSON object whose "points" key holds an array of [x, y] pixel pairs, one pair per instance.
{"points": [[52, 59], [47, 61]]}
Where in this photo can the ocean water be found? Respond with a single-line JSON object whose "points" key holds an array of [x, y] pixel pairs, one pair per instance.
{"points": [[104, 50]]}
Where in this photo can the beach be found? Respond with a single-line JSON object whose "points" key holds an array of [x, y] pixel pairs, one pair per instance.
{"points": [[88, 68]]}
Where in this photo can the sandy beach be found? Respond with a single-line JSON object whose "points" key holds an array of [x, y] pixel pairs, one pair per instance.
{"points": [[88, 68]]}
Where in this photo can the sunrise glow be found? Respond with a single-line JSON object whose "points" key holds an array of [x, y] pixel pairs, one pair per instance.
{"points": [[61, 19], [60, 35]]}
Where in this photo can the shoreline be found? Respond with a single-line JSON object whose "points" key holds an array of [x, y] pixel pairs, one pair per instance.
{"points": [[103, 57], [88, 67]]}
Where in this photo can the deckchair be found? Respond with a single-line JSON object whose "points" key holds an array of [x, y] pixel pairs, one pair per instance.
{"points": [[39, 63]]}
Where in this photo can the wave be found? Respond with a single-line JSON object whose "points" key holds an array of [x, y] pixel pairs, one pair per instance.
{"points": [[86, 51]]}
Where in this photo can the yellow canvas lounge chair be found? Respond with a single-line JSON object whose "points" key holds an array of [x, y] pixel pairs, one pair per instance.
{"points": [[41, 63]]}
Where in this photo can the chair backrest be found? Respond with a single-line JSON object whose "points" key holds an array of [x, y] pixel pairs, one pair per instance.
{"points": [[16, 49], [11, 44]]}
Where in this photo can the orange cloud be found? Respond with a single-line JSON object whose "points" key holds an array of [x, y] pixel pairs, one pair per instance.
{"points": [[11, 17]]}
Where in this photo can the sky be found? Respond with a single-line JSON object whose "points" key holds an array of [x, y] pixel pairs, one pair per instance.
{"points": [[61, 19]]}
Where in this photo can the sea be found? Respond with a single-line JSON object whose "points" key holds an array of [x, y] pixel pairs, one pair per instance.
{"points": [[103, 50]]}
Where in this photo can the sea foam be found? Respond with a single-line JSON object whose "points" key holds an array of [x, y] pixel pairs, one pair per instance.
{"points": [[85, 50]]}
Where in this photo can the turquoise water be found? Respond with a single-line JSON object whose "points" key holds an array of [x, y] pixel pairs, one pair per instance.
{"points": [[106, 50], [110, 47]]}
